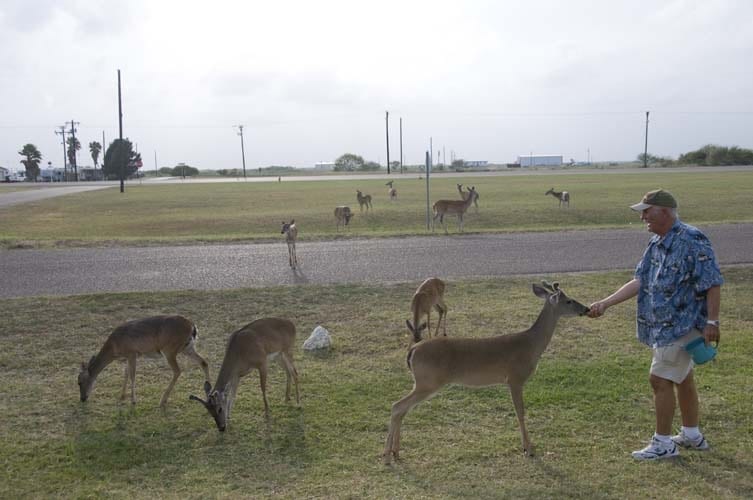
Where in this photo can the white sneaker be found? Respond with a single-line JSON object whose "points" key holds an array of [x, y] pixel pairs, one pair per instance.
{"points": [[656, 450], [699, 444]]}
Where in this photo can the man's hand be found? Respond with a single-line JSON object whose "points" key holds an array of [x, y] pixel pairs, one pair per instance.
{"points": [[597, 309], [711, 334]]}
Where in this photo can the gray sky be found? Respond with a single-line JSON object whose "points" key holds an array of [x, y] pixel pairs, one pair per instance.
{"points": [[311, 80]]}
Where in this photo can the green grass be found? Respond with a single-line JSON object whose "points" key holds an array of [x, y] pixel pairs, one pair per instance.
{"points": [[588, 405], [230, 212]]}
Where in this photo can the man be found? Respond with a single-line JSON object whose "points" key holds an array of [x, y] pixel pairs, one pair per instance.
{"points": [[678, 284]]}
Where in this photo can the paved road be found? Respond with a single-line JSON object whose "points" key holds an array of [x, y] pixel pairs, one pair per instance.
{"points": [[30, 194], [91, 270]]}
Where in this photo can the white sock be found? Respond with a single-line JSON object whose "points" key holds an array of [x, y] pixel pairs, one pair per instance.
{"points": [[663, 439], [691, 433]]}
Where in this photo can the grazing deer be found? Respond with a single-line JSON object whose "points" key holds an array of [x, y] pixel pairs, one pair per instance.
{"points": [[477, 362], [166, 335], [464, 195], [251, 347], [343, 215], [391, 192], [429, 295], [363, 200], [452, 207], [564, 196], [291, 235]]}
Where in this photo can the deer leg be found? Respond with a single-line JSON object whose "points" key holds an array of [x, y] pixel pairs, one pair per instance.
{"points": [[516, 391], [176, 373], [292, 375], [125, 382], [441, 308], [190, 351], [132, 376], [399, 410], [263, 384]]}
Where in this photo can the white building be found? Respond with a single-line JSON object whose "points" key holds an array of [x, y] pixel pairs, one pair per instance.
{"points": [[540, 160], [323, 165], [4, 173]]}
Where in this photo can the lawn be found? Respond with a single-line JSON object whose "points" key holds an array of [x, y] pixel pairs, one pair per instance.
{"points": [[588, 405], [246, 212]]}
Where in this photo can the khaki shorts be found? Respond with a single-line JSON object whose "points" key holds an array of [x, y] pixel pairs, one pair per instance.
{"points": [[672, 362]]}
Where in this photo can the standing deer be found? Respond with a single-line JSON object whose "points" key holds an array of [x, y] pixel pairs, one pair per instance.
{"points": [[391, 192], [477, 362], [464, 195], [166, 335], [343, 215], [251, 347], [563, 196], [429, 295], [452, 207], [291, 235], [363, 200]]}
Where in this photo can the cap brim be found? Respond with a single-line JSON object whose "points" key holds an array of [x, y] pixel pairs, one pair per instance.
{"points": [[640, 207]]}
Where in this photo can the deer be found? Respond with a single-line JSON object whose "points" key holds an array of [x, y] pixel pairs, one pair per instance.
{"points": [[363, 200], [343, 215], [291, 235], [429, 295], [464, 195], [391, 192], [477, 362], [166, 335], [452, 207], [563, 196], [251, 347]]}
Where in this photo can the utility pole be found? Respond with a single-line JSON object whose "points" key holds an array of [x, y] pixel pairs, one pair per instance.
{"points": [[401, 145], [65, 156], [73, 155], [104, 152], [431, 152], [387, 132], [243, 151], [428, 170], [444, 157], [120, 113], [155, 164], [645, 147], [121, 174]]}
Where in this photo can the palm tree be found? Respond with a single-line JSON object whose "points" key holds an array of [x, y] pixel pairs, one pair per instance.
{"points": [[95, 148], [73, 147], [31, 163]]}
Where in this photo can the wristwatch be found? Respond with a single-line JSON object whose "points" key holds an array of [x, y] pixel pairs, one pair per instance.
{"points": [[713, 322]]}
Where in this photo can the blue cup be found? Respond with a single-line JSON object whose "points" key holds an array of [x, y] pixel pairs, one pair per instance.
{"points": [[699, 351]]}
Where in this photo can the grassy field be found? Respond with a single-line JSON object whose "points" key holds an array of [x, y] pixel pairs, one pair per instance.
{"points": [[588, 405], [243, 212]]}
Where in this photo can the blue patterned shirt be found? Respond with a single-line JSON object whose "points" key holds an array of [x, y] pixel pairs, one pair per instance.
{"points": [[675, 272]]}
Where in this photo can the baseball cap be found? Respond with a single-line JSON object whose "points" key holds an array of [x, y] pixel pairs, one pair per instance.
{"points": [[656, 198]]}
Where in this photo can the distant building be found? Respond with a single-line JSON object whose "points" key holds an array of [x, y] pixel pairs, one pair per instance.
{"points": [[324, 166], [51, 175], [540, 160], [475, 163], [4, 173]]}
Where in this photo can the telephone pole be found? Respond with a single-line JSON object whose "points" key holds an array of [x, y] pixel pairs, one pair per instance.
{"points": [[243, 151], [387, 132], [401, 145], [65, 160], [645, 147]]}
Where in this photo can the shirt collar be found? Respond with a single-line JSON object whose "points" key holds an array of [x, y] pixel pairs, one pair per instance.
{"points": [[666, 240]]}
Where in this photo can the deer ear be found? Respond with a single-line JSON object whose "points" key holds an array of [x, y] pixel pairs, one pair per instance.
{"points": [[196, 398], [540, 291], [409, 325], [207, 388]]}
